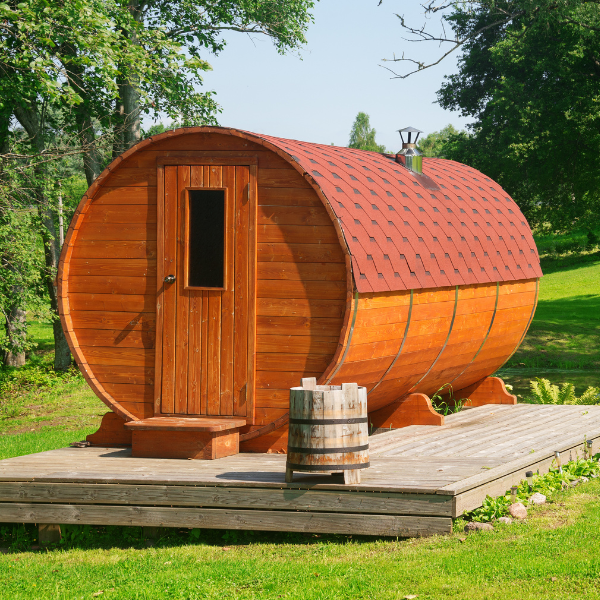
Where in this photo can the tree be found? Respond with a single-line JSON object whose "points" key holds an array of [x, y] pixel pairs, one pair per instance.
{"points": [[529, 76], [362, 135], [100, 64], [433, 144]]}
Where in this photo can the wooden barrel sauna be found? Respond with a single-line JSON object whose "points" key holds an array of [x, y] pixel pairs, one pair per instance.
{"points": [[334, 263], [328, 430]]}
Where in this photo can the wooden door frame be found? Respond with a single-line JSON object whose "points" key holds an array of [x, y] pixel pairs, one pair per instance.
{"points": [[190, 158]]}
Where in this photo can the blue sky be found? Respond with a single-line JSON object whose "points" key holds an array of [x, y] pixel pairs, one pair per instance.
{"points": [[315, 97]]}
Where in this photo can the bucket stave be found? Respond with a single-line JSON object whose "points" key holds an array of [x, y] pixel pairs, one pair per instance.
{"points": [[328, 429]]}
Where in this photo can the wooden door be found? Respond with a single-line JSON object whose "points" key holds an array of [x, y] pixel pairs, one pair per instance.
{"points": [[206, 290]]}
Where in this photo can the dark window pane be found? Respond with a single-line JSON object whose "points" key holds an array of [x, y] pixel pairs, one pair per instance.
{"points": [[206, 238]]}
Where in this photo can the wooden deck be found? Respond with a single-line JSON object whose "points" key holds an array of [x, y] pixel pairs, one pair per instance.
{"points": [[420, 478]]}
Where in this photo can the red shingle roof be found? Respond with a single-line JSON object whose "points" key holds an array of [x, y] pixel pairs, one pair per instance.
{"points": [[402, 234]]}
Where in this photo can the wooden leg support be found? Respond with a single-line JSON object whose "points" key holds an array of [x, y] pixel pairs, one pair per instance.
{"points": [[490, 390], [112, 432], [49, 534], [351, 476], [414, 409], [185, 444]]}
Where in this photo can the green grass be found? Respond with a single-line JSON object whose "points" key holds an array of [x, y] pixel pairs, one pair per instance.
{"points": [[42, 439], [565, 332], [59, 407], [553, 555]]}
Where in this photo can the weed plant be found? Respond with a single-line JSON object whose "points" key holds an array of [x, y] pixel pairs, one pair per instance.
{"points": [[449, 405], [555, 480]]}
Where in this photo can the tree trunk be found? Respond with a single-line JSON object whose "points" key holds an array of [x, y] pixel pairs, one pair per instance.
{"points": [[15, 316], [127, 131], [16, 331], [28, 117]]}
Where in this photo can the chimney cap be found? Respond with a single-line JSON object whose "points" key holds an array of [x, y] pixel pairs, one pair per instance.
{"points": [[409, 130]]}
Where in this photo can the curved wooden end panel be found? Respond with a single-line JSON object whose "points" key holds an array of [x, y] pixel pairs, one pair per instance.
{"points": [[490, 390], [111, 433], [414, 409]]}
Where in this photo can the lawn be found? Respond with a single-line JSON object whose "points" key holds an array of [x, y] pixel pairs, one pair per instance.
{"points": [[553, 554], [40, 410], [563, 342]]}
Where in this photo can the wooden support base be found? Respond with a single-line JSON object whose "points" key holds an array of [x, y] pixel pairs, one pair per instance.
{"points": [[414, 409], [490, 390], [185, 444], [49, 534], [112, 432], [351, 476]]}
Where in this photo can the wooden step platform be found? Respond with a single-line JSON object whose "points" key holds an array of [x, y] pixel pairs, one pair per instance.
{"points": [[420, 479], [205, 424], [205, 438]]}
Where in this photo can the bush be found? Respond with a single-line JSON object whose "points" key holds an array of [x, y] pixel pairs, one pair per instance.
{"points": [[545, 392]]}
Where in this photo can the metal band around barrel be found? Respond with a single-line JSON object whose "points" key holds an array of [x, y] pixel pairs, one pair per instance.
{"points": [[445, 343], [486, 335], [334, 373], [535, 300], [327, 450], [296, 467], [329, 421], [410, 307]]}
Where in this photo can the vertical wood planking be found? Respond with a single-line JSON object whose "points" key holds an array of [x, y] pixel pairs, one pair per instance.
{"points": [[228, 296], [215, 179], [169, 291], [242, 222], [251, 307], [181, 346], [160, 239], [204, 355], [195, 328]]}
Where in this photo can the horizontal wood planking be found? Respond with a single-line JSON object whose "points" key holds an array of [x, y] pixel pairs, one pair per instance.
{"points": [[118, 231], [298, 326], [114, 249], [122, 213], [307, 253], [211, 518], [297, 234], [286, 197], [134, 267], [319, 290], [90, 284], [104, 319], [287, 177], [127, 303], [111, 195], [248, 498], [117, 338], [293, 215], [124, 374], [301, 270], [299, 307]]}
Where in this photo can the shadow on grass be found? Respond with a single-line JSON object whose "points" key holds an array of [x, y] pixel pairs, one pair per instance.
{"points": [[564, 334], [23, 538], [551, 264]]}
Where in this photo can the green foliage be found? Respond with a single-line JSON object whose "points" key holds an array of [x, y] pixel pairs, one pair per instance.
{"points": [[547, 484], [433, 143], [444, 402], [531, 83], [544, 392], [362, 135]]}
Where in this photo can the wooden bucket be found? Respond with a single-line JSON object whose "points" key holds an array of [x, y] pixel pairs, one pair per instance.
{"points": [[328, 429]]}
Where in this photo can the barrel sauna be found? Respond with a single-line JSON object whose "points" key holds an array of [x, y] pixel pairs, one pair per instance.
{"points": [[208, 270]]}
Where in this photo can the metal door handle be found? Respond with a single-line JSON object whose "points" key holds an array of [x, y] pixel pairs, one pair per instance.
{"points": [[169, 278]]}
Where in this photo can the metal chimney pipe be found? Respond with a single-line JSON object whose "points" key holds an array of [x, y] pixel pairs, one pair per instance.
{"points": [[409, 156]]}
